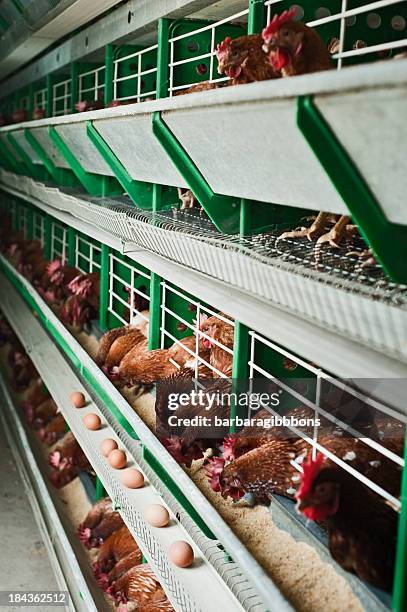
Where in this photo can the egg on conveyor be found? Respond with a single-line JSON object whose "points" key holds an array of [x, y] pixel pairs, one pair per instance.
{"points": [[133, 479], [181, 554], [92, 421], [107, 445], [77, 399], [117, 459], [157, 515]]}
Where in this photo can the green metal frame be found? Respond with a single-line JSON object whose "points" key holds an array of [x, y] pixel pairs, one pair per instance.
{"points": [[141, 193], [388, 240], [400, 578], [50, 94], [9, 161], [61, 176], [36, 171], [224, 211], [109, 73], [239, 369], [74, 85], [104, 287], [95, 184], [256, 17]]}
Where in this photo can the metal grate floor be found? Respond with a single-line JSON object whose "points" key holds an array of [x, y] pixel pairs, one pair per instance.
{"points": [[349, 267]]}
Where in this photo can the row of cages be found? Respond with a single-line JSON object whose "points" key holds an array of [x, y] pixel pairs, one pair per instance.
{"points": [[128, 298], [354, 31]]}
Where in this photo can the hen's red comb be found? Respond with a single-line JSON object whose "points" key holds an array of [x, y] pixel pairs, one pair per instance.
{"points": [[223, 48], [311, 469], [276, 23]]}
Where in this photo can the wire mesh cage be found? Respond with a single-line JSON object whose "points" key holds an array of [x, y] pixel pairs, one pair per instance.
{"points": [[129, 291], [91, 83], [39, 224], [135, 73], [23, 102], [87, 254], [341, 405], [354, 32], [193, 49], [59, 241], [23, 225], [62, 97], [40, 98], [182, 316]]}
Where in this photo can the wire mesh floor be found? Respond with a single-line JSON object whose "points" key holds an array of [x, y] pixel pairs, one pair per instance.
{"points": [[350, 266]]}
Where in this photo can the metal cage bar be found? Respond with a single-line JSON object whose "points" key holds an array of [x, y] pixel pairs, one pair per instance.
{"points": [[135, 76], [40, 99], [115, 299], [182, 325], [61, 92], [316, 404], [98, 83], [346, 18], [242, 16], [59, 243], [88, 261]]}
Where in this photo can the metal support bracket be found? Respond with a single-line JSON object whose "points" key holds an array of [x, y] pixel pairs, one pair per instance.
{"points": [[388, 240], [8, 160], [256, 16], [140, 192], [94, 184], [224, 211], [59, 175], [34, 170]]}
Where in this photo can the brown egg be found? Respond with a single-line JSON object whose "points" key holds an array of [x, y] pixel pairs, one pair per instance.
{"points": [[77, 399], [92, 421], [117, 459], [157, 515], [133, 479], [181, 554], [107, 445]]}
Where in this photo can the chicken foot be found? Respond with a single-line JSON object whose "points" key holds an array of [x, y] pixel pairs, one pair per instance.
{"points": [[187, 198], [316, 229], [340, 231], [366, 257]]}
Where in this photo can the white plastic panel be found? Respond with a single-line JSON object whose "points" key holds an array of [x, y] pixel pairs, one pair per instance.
{"points": [[255, 151], [75, 137], [42, 136], [25, 145], [132, 140], [372, 127]]}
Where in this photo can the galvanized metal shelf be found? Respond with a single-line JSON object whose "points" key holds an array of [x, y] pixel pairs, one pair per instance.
{"points": [[232, 582]]}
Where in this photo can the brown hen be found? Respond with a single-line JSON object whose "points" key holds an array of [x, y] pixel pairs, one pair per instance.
{"points": [[119, 546], [139, 585], [155, 365], [362, 528], [294, 48], [101, 521], [223, 333], [244, 61]]}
